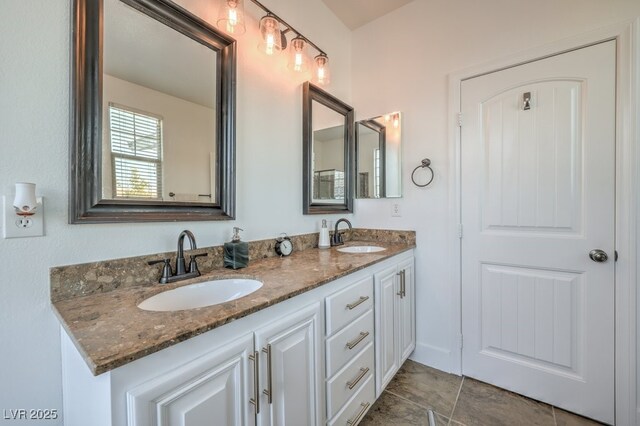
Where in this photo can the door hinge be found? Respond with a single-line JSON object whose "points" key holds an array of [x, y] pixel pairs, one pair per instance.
{"points": [[461, 338], [615, 256], [459, 119], [460, 230]]}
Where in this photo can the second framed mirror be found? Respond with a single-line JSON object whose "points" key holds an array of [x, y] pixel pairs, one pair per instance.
{"points": [[379, 156], [328, 153]]}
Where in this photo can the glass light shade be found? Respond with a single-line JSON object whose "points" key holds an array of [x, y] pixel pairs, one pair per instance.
{"points": [[298, 60], [231, 17], [25, 201], [322, 72], [271, 36]]}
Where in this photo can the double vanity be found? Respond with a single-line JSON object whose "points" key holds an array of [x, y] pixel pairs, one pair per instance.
{"points": [[309, 339]]}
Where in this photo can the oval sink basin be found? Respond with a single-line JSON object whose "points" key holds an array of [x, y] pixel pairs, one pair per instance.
{"points": [[361, 249], [200, 295]]}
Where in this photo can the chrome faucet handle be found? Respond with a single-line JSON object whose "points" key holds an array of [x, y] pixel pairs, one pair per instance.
{"points": [[193, 265], [166, 269]]}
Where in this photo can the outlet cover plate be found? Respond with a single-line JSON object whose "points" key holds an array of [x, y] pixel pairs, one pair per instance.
{"points": [[396, 211], [10, 223]]}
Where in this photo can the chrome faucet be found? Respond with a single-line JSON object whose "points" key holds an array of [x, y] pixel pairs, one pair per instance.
{"points": [[181, 270], [337, 240]]}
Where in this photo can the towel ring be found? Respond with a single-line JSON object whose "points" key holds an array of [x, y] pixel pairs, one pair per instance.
{"points": [[426, 163]]}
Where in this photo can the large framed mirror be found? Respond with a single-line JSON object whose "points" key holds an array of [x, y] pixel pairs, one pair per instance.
{"points": [[153, 114], [379, 156], [328, 153]]}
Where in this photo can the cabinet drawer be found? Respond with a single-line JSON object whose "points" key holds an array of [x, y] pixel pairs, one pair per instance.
{"points": [[348, 343], [356, 409], [349, 380], [348, 304]]}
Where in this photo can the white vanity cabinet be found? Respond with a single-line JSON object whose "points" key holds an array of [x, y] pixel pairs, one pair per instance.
{"points": [[394, 319], [316, 359]]}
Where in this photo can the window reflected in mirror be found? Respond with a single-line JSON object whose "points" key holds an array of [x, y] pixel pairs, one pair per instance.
{"points": [[159, 101], [379, 157], [328, 159]]}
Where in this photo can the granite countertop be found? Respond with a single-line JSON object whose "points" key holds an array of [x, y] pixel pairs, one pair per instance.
{"points": [[109, 330]]}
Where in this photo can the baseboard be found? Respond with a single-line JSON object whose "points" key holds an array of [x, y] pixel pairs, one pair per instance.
{"points": [[433, 356]]}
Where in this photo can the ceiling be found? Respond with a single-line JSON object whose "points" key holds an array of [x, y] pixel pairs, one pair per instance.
{"points": [[356, 13], [145, 52]]}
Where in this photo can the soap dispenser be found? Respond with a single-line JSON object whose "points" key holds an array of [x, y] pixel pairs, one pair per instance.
{"points": [[236, 252], [323, 240]]}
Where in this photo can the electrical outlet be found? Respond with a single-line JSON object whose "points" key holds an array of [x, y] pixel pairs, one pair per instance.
{"points": [[395, 210], [14, 226]]}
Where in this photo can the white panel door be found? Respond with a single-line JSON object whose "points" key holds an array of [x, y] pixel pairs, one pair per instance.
{"points": [[537, 197], [291, 369]]}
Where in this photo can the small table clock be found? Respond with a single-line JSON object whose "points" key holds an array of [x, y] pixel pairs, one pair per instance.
{"points": [[284, 246]]}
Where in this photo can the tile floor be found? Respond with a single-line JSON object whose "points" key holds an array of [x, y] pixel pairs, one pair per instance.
{"points": [[459, 401]]}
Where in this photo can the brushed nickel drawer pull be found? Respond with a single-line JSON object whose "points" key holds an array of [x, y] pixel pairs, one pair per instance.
{"points": [[256, 375], [363, 372], [355, 420], [399, 293], [358, 302], [360, 338], [269, 390]]}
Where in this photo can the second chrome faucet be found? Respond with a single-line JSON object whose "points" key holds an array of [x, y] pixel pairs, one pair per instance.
{"points": [[181, 273]]}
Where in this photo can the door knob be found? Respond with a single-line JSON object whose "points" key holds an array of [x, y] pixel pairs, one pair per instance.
{"points": [[598, 255]]}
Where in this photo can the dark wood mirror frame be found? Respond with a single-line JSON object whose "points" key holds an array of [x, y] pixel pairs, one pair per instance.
{"points": [[382, 143], [312, 93], [85, 187]]}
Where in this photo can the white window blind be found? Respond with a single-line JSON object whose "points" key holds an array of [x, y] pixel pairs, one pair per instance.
{"points": [[136, 153]]}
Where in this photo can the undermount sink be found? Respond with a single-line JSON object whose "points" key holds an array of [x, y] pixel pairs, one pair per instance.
{"points": [[361, 249], [200, 295]]}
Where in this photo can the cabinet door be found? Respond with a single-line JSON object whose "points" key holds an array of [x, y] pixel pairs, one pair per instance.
{"points": [[291, 369], [406, 312], [211, 389], [387, 357]]}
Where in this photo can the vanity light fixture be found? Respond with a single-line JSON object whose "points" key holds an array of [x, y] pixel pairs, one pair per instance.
{"points": [[231, 17], [231, 20], [272, 37]]}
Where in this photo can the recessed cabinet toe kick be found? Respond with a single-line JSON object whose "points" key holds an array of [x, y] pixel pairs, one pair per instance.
{"points": [[320, 358]]}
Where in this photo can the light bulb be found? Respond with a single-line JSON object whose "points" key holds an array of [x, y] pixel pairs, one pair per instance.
{"points": [[298, 62], [233, 17], [270, 44]]}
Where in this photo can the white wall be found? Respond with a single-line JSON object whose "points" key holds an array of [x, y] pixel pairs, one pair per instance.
{"points": [[188, 138], [421, 44], [34, 105]]}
